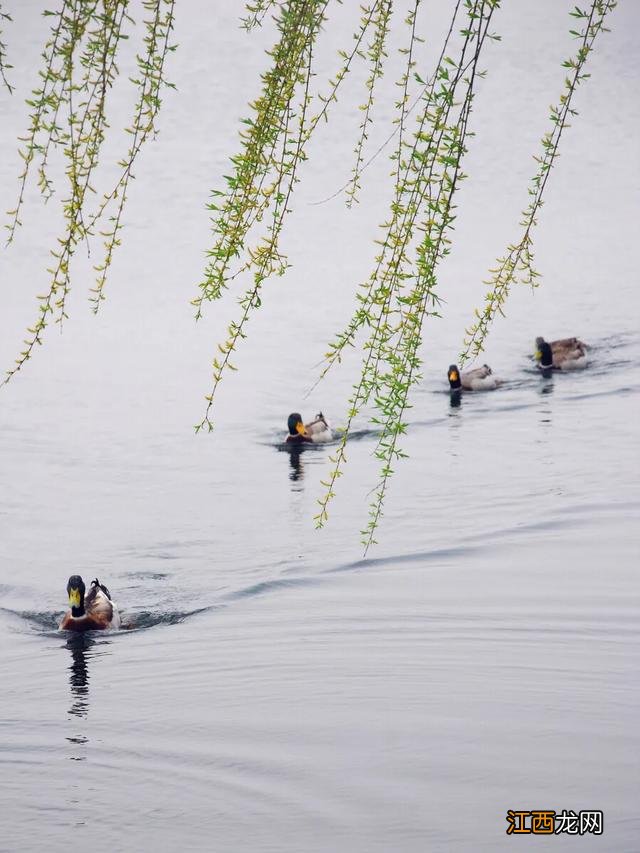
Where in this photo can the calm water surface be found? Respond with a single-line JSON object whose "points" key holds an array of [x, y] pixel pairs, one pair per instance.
{"points": [[275, 691]]}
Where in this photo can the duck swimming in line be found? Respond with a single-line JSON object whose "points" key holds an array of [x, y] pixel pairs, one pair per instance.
{"points": [[478, 379], [95, 612], [315, 432], [563, 354]]}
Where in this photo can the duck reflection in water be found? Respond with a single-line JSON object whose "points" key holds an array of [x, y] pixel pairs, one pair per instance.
{"points": [[79, 646], [455, 398], [545, 410], [295, 452]]}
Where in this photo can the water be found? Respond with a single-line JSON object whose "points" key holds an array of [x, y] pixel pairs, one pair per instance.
{"points": [[274, 691]]}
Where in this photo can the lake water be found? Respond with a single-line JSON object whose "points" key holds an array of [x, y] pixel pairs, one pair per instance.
{"points": [[278, 692]]}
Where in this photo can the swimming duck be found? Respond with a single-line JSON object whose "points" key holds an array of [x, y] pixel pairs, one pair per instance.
{"points": [[478, 379], [95, 612], [564, 354], [315, 432]]}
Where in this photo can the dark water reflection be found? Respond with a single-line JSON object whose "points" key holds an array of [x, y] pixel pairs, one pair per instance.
{"points": [[296, 464], [455, 399], [79, 646]]}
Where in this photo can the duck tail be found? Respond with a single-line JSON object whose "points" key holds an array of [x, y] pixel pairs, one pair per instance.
{"points": [[95, 582]]}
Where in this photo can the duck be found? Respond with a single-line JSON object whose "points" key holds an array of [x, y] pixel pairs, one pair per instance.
{"points": [[563, 354], [95, 612], [478, 379], [315, 432]]}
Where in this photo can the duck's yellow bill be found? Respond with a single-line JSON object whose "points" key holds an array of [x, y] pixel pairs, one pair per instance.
{"points": [[74, 597], [300, 428], [538, 355], [454, 376]]}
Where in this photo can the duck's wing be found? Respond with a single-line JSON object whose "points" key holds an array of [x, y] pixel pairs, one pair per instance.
{"points": [[480, 379], [477, 373], [316, 427], [319, 430], [99, 606], [566, 344]]}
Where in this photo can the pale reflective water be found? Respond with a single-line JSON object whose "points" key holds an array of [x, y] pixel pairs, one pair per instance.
{"points": [[275, 692]]}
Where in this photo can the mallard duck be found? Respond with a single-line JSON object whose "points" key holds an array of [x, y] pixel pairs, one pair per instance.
{"points": [[315, 432], [564, 354], [95, 612], [478, 379]]}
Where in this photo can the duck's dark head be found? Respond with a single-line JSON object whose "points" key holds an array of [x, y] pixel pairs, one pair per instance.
{"points": [[295, 425], [540, 342], [75, 591], [453, 375]]}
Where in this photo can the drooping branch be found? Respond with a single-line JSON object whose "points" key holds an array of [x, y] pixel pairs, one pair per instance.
{"points": [[256, 12], [517, 264], [150, 82], [421, 210], [47, 101], [4, 65], [69, 114], [265, 174], [379, 16]]}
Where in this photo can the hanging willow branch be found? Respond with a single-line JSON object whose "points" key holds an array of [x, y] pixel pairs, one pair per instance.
{"points": [[4, 66], [401, 289], [378, 17], [150, 82], [517, 263], [264, 176], [257, 12], [69, 116]]}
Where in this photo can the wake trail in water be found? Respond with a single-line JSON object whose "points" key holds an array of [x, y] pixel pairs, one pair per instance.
{"points": [[577, 516], [47, 622]]}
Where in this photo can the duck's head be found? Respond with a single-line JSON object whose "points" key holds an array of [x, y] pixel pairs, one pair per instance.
{"points": [[295, 425], [453, 374], [75, 591], [539, 344]]}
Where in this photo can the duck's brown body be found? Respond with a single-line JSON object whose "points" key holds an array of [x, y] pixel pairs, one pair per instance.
{"points": [[94, 612], [563, 354]]}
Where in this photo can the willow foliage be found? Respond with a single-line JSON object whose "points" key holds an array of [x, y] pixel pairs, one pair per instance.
{"points": [[69, 118], [4, 65], [427, 145]]}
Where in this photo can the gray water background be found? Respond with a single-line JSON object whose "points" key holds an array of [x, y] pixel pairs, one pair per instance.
{"points": [[281, 693]]}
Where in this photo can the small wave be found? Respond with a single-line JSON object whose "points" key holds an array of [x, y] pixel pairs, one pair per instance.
{"points": [[430, 422], [625, 389], [359, 434], [616, 341], [413, 557], [35, 619], [48, 622], [151, 576], [269, 586], [143, 619]]}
